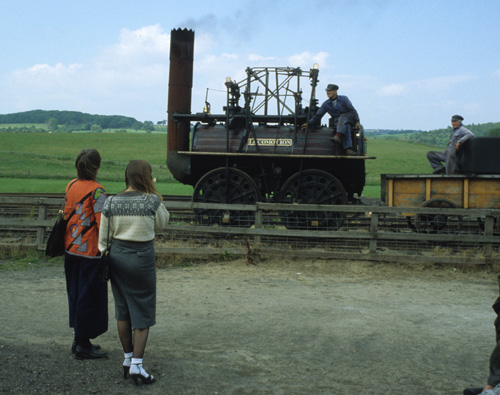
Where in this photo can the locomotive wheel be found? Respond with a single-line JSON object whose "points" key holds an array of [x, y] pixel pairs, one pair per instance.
{"points": [[438, 223], [313, 187], [231, 186]]}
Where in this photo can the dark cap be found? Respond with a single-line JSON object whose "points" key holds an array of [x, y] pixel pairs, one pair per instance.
{"points": [[332, 87], [457, 118]]}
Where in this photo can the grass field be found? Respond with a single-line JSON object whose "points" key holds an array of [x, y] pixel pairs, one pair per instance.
{"points": [[44, 162]]}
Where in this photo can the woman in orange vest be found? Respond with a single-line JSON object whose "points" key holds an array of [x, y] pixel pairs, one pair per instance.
{"points": [[87, 293]]}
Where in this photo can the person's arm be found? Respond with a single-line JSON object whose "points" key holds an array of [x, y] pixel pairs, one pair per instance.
{"points": [[103, 229], [103, 233], [162, 217], [319, 114], [466, 134], [99, 196]]}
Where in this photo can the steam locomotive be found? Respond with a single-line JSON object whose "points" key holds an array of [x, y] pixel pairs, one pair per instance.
{"points": [[256, 150]]}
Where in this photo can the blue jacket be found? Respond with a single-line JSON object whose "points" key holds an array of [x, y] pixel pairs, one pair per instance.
{"points": [[340, 105]]}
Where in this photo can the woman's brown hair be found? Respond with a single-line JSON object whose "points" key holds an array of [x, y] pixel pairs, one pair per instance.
{"points": [[87, 164], [139, 175]]}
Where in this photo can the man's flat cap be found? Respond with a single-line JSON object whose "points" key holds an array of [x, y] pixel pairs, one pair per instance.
{"points": [[332, 87], [457, 118]]}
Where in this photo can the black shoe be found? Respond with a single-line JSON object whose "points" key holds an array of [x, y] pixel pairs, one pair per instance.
{"points": [[93, 353], [94, 347], [473, 391], [439, 170], [126, 370], [139, 379]]}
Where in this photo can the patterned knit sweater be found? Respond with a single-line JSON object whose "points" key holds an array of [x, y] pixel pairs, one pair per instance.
{"points": [[132, 216]]}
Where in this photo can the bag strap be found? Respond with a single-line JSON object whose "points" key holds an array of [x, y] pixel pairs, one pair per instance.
{"points": [[61, 211], [81, 201], [109, 221]]}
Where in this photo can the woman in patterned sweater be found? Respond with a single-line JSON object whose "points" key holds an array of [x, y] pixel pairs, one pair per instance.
{"points": [[133, 216]]}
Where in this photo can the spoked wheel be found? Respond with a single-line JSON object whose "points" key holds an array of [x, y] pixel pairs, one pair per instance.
{"points": [[313, 187], [231, 186], [438, 223]]}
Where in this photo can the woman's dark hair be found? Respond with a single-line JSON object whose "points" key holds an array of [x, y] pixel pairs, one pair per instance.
{"points": [[139, 175], [87, 163]]}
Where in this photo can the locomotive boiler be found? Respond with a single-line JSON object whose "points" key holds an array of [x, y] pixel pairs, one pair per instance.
{"points": [[257, 150]]}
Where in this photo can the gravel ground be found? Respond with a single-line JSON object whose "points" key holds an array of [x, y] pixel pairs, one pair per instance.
{"points": [[280, 327]]}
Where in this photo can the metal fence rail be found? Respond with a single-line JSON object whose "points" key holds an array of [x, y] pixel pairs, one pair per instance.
{"points": [[461, 236]]}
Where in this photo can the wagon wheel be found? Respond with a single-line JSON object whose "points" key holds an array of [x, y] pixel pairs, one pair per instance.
{"points": [[313, 187], [223, 185], [438, 223]]}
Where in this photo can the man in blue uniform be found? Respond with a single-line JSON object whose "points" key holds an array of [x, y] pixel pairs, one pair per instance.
{"points": [[343, 114], [449, 157]]}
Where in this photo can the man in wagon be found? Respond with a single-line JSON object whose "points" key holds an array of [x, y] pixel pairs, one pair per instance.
{"points": [[448, 161], [343, 114]]}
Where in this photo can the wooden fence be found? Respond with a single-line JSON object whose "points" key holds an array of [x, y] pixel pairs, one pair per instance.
{"points": [[376, 233]]}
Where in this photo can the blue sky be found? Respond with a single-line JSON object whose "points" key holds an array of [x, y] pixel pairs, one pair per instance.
{"points": [[404, 64]]}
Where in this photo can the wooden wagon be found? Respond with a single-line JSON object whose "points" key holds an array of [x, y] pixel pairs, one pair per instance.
{"points": [[441, 192]]}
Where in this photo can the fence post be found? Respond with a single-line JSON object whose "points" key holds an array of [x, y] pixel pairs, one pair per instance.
{"points": [[40, 234], [489, 222], [258, 225], [373, 232]]}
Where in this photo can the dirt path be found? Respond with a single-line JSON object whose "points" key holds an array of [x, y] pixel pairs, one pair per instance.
{"points": [[314, 327]]}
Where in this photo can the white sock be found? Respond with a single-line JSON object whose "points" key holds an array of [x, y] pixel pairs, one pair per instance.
{"points": [[136, 367], [128, 358]]}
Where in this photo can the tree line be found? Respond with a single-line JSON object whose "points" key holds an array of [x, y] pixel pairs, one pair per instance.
{"points": [[440, 137], [67, 121]]}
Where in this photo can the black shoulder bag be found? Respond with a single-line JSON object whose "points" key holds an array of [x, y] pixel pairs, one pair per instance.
{"points": [[55, 243], [104, 262]]}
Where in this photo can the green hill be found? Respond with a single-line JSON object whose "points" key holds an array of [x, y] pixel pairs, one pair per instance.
{"points": [[65, 121]]}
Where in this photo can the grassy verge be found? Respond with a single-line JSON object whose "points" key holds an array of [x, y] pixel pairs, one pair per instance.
{"points": [[43, 162], [29, 185], [21, 259]]}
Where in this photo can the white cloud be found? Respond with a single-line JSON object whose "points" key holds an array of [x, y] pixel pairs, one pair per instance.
{"points": [[58, 69], [116, 82], [144, 41], [393, 90], [433, 86], [43, 74], [229, 56], [306, 60], [259, 58], [438, 84]]}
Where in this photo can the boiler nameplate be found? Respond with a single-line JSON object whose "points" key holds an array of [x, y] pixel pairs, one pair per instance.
{"points": [[271, 142]]}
